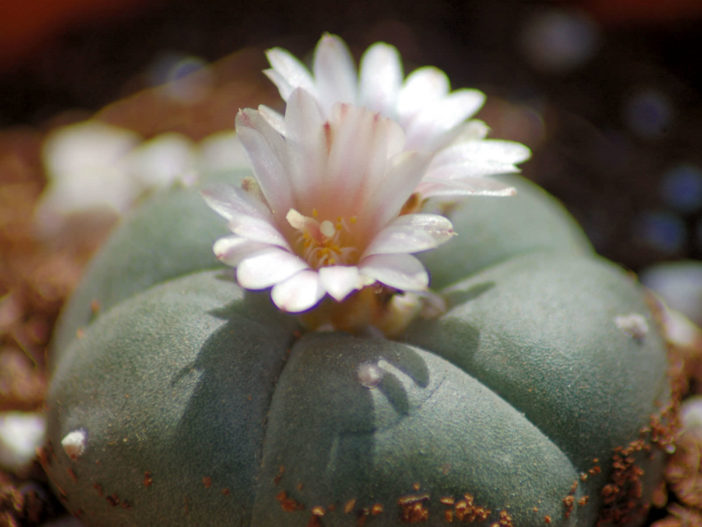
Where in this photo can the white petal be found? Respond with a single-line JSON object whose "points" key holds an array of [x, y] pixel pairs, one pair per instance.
{"points": [[427, 127], [267, 268], [268, 153], [495, 150], [287, 72], [334, 72], [401, 271], [356, 150], [258, 230], [399, 183], [232, 249], [429, 188], [340, 280], [284, 87], [275, 119], [421, 87], [232, 202], [412, 233], [248, 217], [298, 293], [307, 142], [380, 78], [467, 170], [472, 130]]}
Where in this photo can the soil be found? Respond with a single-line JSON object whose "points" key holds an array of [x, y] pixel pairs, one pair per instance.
{"points": [[608, 132]]}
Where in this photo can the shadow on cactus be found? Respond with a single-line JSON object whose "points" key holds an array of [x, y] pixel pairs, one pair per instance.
{"points": [[324, 383]]}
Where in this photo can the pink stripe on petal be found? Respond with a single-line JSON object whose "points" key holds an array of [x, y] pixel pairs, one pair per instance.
{"points": [[401, 271], [267, 268], [298, 293], [352, 146], [386, 140], [307, 147], [339, 281]]}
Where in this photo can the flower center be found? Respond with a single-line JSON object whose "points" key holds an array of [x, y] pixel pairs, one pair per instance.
{"points": [[323, 243]]}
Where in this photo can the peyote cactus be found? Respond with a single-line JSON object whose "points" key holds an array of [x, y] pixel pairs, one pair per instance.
{"points": [[536, 395]]}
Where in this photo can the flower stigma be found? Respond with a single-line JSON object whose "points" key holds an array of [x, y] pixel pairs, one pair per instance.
{"points": [[322, 243]]}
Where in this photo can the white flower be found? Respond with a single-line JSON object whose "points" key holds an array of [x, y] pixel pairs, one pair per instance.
{"points": [[324, 214], [433, 117]]}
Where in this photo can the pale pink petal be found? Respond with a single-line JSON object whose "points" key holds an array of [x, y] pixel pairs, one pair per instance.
{"points": [[411, 233], [267, 151], [380, 78], [287, 72], [494, 150], [422, 86], [400, 182], [430, 188], [231, 202], [471, 130], [298, 293], [307, 150], [266, 268], [257, 230], [467, 170], [232, 249], [401, 271], [275, 119], [340, 280], [334, 72], [363, 143], [382, 154], [426, 128], [284, 87], [353, 149]]}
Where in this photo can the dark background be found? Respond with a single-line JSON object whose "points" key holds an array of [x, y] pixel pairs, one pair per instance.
{"points": [[606, 93]]}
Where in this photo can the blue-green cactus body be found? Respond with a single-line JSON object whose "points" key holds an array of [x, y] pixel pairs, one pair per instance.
{"points": [[202, 405]]}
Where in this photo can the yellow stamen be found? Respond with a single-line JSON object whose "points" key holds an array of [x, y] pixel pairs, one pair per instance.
{"points": [[322, 243]]}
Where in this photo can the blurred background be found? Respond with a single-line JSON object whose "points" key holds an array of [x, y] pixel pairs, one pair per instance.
{"points": [[606, 93]]}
